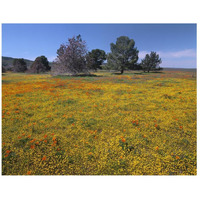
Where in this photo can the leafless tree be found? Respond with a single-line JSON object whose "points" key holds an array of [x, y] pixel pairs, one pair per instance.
{"points": [[71, 57]]}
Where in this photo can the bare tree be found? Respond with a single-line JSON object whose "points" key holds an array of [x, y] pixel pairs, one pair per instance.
{"points": [[71, 57]]}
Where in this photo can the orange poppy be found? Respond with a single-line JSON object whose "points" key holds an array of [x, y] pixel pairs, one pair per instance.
{"points": [[177, 157], [123, 140], [44, 158], [8, 151], [45, 141], [32, 147], [90, 153], [156, 147], [45, 135], [29, 172]]}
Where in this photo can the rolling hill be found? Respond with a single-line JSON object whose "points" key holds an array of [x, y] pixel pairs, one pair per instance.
{"points": [[7, 62]]}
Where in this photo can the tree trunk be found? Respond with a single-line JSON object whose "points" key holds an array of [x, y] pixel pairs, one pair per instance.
{"points": [[122, 71]]}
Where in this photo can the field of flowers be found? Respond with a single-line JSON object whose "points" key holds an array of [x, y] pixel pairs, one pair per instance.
{"points": [[107, 124]]}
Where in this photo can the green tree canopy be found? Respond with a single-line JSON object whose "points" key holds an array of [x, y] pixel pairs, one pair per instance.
{"points": [[123, 54], [41, 64], [95, 59], [151, 62], [3, 69], [19, 65]]}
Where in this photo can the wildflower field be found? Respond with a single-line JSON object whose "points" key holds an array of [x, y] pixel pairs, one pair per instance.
{"points": [[106, 124]]}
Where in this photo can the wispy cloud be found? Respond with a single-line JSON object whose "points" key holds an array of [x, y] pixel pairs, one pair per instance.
{"points": [[188, 63], [187, 53], [51, 58], [180, 59], [143, 53]]}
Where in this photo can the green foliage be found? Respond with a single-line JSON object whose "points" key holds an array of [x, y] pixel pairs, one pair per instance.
{"points": [[19, 65], [151, 62], [7, 63], [123, 54], [41, 64], [95, 59], [3, 69]]}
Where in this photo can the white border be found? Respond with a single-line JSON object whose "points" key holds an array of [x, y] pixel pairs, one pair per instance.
{"points": [[100, 187]]}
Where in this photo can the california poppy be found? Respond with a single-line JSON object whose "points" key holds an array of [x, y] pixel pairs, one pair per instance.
{"points": [[44, 158], [29, 172], [156, 147], [177, 157], [123, 140], [8, 151]]}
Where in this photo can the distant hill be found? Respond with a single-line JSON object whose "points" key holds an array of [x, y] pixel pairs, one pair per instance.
{"points": [[180, 69], [7, 62]]}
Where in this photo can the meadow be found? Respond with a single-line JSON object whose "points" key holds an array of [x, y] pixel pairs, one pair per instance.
{"points": [[106, 124]]}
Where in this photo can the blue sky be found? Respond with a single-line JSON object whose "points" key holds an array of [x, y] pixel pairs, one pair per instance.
{"points": [[175, 43]]}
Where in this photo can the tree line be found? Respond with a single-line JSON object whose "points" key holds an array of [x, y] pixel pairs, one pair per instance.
{"points": [[73, 58]]}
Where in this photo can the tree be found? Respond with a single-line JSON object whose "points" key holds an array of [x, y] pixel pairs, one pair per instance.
{"points": [[3, 69], [95, 59], [151, 62], [123, 54], [71, 57], [19, 65], [41, 64]]}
